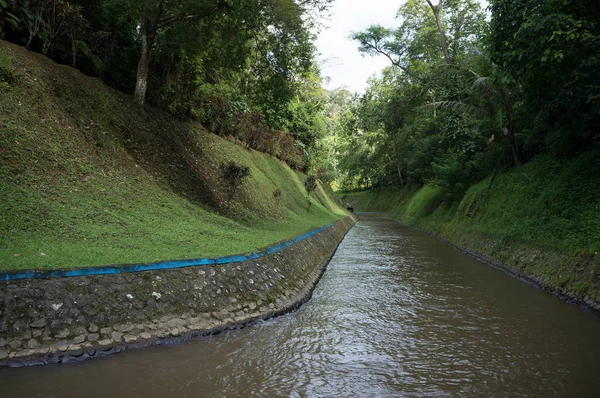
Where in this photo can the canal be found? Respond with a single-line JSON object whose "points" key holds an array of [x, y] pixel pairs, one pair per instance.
{"points": [[396, 314]]}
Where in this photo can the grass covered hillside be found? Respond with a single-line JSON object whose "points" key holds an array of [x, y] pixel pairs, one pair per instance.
{"points": [[541, 220], [87, 178]]}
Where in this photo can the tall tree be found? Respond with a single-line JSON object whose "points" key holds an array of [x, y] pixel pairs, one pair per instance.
{"points": [[155, 17], [437, 13]]}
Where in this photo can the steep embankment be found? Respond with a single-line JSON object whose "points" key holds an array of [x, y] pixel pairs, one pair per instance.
{"points": [[87, 178], [540, 221]]}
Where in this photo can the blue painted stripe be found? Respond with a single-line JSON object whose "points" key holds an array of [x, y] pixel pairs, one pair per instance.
{"points": [[129, 268]]}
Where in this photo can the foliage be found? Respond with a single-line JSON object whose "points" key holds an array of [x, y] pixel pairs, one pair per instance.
{"points": [[218, 61], [88, 179], [310, 184], [541, 219], [550, 50], [234, 175]]}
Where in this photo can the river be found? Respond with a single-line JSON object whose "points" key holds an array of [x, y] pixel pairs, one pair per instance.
{"points": [[397, 313]]}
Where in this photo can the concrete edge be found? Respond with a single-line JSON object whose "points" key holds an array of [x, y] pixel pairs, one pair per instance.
{"points": [[77, 354]]}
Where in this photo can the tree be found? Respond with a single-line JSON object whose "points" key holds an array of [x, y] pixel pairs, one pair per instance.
{"points": [[75, 29], [550, 50], [495, 105], [437, 12], [55, 16], [31, 14], [7, 17], [155, 17], [422, 29]]}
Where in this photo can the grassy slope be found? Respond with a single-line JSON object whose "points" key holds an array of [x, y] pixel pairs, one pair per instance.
{"points": [[541, 220], [88, 179]]}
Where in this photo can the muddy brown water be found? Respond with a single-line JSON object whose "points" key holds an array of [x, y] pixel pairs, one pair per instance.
{"points": [[396, 314]]}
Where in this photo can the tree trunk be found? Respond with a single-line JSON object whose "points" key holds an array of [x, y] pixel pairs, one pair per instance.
{"points": [[46, 46], [513, 147], [29, 41], [400, 174], [436, 13], [74, 52], [496, 169], [141, 83]]}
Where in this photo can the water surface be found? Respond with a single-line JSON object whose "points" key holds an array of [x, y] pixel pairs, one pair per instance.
{"points": [[396, 314]]}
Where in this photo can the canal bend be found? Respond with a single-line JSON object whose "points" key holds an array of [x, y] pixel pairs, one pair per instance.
{"points": [[397, 313]]}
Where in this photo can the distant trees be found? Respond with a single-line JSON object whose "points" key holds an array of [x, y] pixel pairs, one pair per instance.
{"points": [[433, 116]]}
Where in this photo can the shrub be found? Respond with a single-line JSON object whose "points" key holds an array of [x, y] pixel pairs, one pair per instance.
{"points": [[234, 175], [277, 195], [310, 184]]}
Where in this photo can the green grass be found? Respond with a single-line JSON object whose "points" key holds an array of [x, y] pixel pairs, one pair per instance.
{"points": [[88, 179], [548, 202], [541, 220]]}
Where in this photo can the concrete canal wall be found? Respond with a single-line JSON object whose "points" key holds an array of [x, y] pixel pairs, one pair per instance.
{"points": [[52, 318]]}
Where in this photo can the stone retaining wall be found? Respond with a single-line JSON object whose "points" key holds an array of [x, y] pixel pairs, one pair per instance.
{"points": [[67, 319]]}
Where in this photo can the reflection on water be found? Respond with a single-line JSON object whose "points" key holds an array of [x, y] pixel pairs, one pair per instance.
{"points": [[396, 314]]}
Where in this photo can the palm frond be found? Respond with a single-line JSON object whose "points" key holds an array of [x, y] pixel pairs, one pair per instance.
{"points": [[461, 108]]}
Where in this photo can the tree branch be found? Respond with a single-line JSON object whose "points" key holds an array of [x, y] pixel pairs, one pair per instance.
{"points": [[187, 17]]}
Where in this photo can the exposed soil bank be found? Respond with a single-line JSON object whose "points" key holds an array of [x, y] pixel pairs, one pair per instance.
{"points": [[68, 319]]}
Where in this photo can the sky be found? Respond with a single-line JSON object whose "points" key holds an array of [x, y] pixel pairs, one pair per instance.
{"points": [[339, 57]]}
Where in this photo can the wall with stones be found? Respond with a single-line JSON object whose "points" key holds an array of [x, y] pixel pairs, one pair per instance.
{"points": [[67, 319]]}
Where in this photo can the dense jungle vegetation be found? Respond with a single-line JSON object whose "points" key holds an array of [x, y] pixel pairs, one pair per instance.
{"points": [[470, 94], [469, 91]]}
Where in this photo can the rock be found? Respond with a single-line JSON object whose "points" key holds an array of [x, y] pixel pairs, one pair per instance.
{"points": [[75, 350], [90, 350], [93, 337], [129, 296], [105, 331], [57, 306], [79, 339], [2, 342], [42, 351], [93, 328], [37, 333], [174, 332], [116, 336], [252, 306], [16, 344], [80, 330], [63, 334], [221, 315], [40, 323], [33, 344], [173, 323], [128, 327], [62, 347], [19, 326], [145, 336], [3, 354], [106, 343], [156, 295], [25, 353], [129, 338]]}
